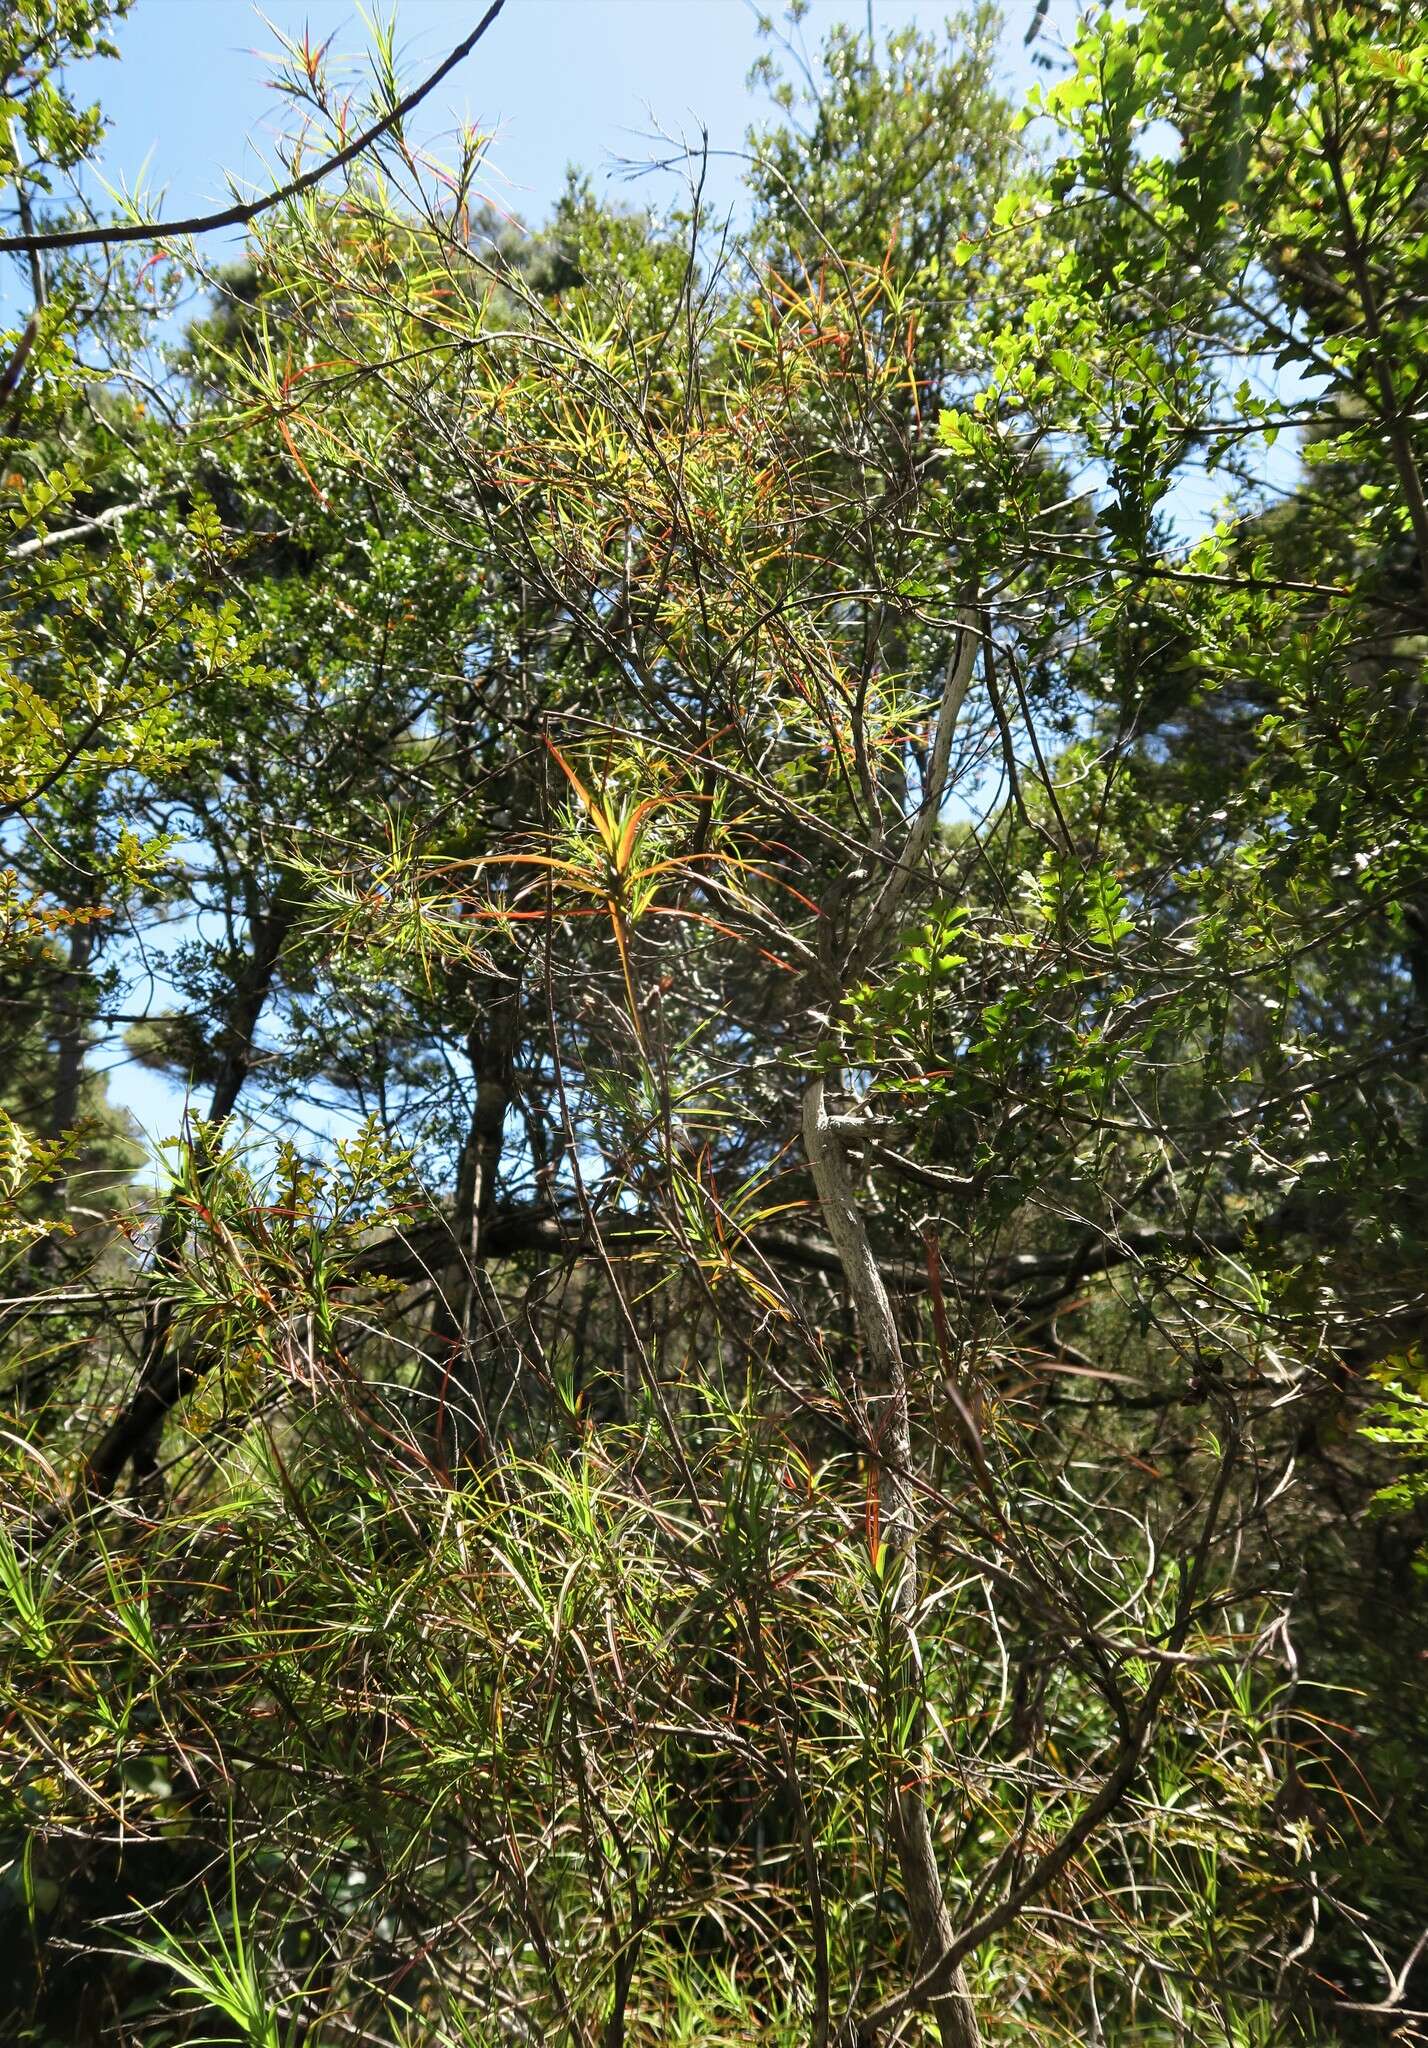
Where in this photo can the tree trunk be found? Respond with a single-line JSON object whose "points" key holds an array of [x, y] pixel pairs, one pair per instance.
{"points": [[910, 1826], [458, 1311], [163, 1378], [44, 1265]]}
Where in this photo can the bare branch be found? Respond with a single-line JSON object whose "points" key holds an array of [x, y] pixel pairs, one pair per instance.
{"points": [[239, 215]]}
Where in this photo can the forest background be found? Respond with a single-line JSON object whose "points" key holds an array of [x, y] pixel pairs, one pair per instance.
{"points": [[772, 1388]]}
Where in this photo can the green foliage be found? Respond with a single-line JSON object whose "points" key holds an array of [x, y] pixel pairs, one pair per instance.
{"points": [[798, 1251], [38, 40]]}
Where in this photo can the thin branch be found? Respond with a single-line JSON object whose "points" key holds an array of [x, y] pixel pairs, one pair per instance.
{"points": [[239, 215], [85, 530]]}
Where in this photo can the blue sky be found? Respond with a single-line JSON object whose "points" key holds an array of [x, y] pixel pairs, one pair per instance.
{"points": [[558, 81]]}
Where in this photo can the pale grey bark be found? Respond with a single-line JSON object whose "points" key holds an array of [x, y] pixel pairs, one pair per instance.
{"points": [[886, 1396], [912, 1831]]}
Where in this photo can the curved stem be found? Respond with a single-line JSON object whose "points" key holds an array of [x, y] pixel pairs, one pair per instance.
{"points": [[912, 1830]]}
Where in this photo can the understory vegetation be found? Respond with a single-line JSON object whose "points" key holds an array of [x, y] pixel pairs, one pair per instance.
{"points": [[773, 1388]]}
